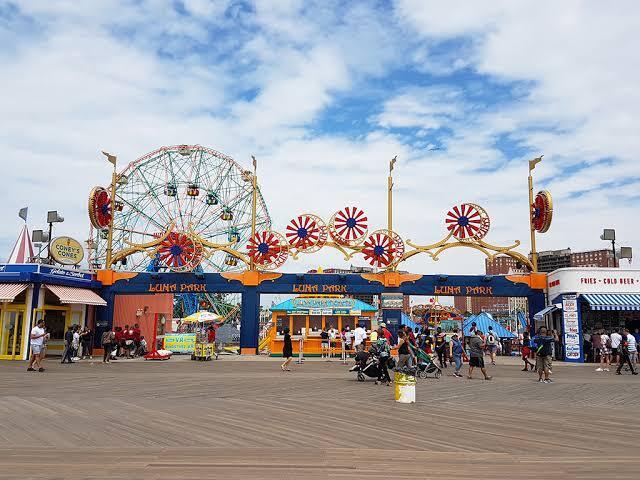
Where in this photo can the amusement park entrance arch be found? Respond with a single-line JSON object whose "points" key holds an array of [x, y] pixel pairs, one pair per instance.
{"points": [[252, 284]]}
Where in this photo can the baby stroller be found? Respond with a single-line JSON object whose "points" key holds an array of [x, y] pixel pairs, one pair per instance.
{"points": [[426, 365], [366, 366]]}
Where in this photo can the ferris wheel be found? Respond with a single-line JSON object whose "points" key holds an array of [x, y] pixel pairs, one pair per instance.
{"points": [[169, 203]]}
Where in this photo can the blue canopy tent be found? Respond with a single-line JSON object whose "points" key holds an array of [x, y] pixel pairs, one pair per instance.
{"points": [[483, 321]]}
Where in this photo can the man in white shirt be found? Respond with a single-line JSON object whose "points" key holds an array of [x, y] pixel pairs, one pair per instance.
{"points": [[359, 336], [75, 344], [37, 344], [633, 347], [333, 335], [616, 338]]}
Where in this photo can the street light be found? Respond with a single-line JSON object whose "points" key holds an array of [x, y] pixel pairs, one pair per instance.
{"points": [[52, 217], [39, 237], [609, 234], [112, 159]]}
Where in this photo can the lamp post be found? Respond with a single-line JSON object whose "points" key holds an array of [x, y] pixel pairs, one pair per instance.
{"points": [[390, 202], [534, 255], [609, 234], [254, 204], [52, 217], [114, 177]]}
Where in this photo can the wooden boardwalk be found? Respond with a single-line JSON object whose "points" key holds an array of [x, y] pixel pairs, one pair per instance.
{"points": [[246, 419]]}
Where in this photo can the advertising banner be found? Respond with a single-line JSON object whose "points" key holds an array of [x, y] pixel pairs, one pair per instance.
{"points": [[180, 342]]}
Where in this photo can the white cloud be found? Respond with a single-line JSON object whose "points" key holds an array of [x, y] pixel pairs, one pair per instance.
{"points": [[131, 77]]}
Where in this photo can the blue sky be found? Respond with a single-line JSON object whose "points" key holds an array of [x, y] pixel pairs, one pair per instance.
{"points": [[324, 93]]}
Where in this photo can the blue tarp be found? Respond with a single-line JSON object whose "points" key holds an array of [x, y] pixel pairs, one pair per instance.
{"points": [[523, 320], [406, 320], [483, 321]]}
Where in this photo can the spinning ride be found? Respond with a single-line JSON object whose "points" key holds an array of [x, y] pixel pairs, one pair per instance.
{"points": [[177, 208]]}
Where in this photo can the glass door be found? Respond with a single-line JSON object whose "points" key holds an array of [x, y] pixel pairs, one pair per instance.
{"points": [[11, 334]]}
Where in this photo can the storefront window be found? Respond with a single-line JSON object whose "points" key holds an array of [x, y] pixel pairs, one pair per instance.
{"points": [[330, 321], [349, 322], [281, 322], [299, 322], [55, 321], [365, 322], [315, 324]]}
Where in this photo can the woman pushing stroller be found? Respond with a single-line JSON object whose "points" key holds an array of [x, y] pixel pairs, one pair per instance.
{"points": [[384, 352]]}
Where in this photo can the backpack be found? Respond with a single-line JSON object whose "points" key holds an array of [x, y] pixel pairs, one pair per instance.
{"points": [[106, 337], [491, 337], [608, 342]]}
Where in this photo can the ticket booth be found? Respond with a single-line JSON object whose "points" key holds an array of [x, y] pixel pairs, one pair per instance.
{"points": [[306, 317]]}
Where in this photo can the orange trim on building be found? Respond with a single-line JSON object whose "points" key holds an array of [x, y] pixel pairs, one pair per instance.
{"points": [[109, 277], [391, 279], [534, 280], [250, 278]]}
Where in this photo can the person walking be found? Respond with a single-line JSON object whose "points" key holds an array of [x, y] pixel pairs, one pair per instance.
{"points": [[86, 339], [526, 352], [75, 343], [440, 347], [287, 351], [543, 354], [359, 338], [492, 341], [107, 341], [633, 346], [605, 341], [616, 338], [476, 354], [68, 346], [405, 355], [37, 336], [456, 351], [624, 353], [324, 343], [384, 352]]}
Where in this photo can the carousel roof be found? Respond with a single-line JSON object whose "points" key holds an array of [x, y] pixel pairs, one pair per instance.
{"points": [[23, 249], [483, 322]]}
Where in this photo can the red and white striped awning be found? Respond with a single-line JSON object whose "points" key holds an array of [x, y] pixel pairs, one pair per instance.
{"points": [[82, 296], [9, 291]]}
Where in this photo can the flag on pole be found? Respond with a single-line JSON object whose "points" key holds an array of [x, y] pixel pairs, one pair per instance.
{"points": [[255, 162], [110, 158], [392, 163], [23, 213]]}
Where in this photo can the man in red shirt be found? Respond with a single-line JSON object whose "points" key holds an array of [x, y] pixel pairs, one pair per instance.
{"points": [[386, 333]]}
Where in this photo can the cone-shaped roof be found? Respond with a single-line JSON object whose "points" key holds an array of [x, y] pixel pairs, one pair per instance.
{"points": [[23, 249]]}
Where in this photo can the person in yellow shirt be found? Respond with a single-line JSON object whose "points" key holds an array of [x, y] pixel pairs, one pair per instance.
{"points": [[373, 337]]}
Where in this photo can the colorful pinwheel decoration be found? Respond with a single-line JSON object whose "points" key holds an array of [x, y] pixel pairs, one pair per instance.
{"points": [[468, 221], [381, 250], [542, 211], [348, 226], [99, 208], [179, 252], [268, 249], [307, 233]]}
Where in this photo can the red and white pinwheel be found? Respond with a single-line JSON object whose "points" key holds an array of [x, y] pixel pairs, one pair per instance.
{"points": [[348, 226], [381, 250], [268, 249], [307, 233], [542, 211], [99, 208], [468, 221], [179, 252]]}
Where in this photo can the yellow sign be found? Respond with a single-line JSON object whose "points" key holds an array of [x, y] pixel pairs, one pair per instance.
{"points": [[67, 251], [180, 342]]}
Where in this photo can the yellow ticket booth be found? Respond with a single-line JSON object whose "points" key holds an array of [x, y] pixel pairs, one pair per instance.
{"points": [[307, 316]]}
